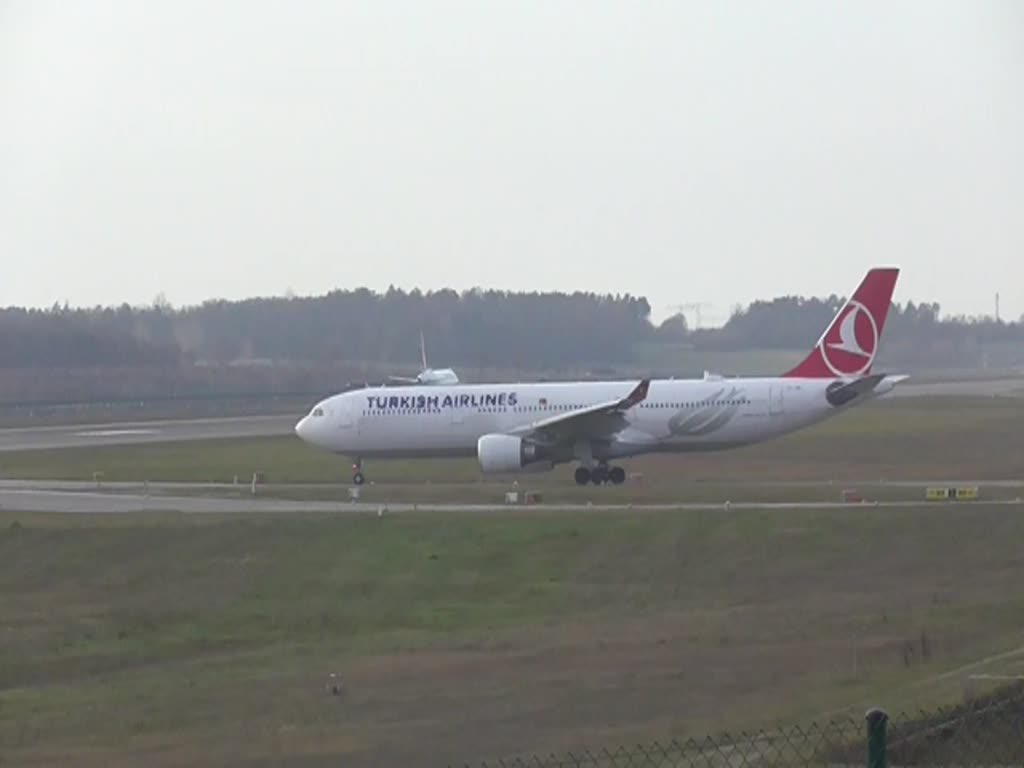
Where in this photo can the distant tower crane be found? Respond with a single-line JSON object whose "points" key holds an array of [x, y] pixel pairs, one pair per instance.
{"points": [[693, 306]]}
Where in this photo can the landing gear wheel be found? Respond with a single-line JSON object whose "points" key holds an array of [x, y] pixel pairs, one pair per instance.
{"points": [[358, 479], [582, 476], [599, 475], [617, 475]]}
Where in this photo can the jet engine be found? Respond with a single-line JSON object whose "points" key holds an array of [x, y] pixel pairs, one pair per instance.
{"points": [[507, 453]]}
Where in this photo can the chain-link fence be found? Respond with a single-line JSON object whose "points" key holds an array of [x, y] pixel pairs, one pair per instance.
{"points": [[986, 732]]}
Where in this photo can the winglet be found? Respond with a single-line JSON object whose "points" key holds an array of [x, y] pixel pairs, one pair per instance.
{"points": [[849, 344], [638, 395]]}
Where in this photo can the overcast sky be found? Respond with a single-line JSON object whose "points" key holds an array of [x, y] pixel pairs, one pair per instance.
{"points": [[688, 152]]}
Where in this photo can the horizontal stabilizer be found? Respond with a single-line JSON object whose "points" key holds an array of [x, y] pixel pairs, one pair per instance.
{"points": [[844, 392]]}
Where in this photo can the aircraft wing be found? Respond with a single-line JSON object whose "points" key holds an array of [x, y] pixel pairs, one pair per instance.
{"points": [[595, 421]]}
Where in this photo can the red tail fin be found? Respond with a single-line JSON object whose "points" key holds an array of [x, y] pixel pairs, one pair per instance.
{"points": [[849, 344]]}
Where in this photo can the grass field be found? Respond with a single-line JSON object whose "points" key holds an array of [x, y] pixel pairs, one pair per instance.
{"points": [[174, 639], [171, 639]]}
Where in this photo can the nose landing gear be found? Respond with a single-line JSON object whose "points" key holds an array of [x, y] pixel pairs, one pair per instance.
{"points": [[357, 472], [600, 475]]}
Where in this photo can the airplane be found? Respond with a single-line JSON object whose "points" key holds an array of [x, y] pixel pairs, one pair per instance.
{"points": [[512, 428], [428, 376]]}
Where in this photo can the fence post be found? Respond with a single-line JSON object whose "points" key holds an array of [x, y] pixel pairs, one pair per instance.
{"points": [[877, 752]]}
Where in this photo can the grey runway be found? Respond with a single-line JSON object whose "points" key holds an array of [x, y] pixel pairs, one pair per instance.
{"points": [[163, 487], [94, 435], [22, 499], [1010, 387]]}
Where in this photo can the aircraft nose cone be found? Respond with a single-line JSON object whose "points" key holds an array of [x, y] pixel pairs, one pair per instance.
{"points": [[302, 428]]}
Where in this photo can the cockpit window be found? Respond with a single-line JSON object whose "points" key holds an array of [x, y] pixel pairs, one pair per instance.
{"points": [[318, 411]]}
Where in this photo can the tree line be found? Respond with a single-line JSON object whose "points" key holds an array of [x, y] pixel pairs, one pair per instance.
{"points": [[477, 329]]}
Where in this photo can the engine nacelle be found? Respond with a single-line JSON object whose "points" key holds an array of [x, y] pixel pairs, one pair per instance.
{"points": [[508, 453]]}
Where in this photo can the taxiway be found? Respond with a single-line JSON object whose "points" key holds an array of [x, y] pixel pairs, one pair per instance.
{"points": [[16, 496]]}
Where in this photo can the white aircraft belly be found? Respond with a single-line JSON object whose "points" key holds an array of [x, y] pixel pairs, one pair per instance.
{"points": [[427, 433]]}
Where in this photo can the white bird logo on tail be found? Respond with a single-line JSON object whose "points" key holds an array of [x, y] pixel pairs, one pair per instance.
{"points": [[849, 344]]}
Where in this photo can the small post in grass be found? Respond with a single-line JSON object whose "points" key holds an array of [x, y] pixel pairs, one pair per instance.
{"points": [[878, 722]]}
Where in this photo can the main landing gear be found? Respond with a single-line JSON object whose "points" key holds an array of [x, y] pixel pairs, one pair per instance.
{"points": [[600, 475], [357, 472]]}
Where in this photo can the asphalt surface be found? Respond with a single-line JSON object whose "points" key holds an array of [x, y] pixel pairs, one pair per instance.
{"points": [[980, 388], [95, 502], [95, 435], [76, 497], [179, 488]]}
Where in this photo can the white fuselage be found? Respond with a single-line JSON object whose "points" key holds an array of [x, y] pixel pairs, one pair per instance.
{"points": [[677, 415]]}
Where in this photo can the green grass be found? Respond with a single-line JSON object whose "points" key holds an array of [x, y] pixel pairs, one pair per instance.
{"points": [[172, 639]]}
